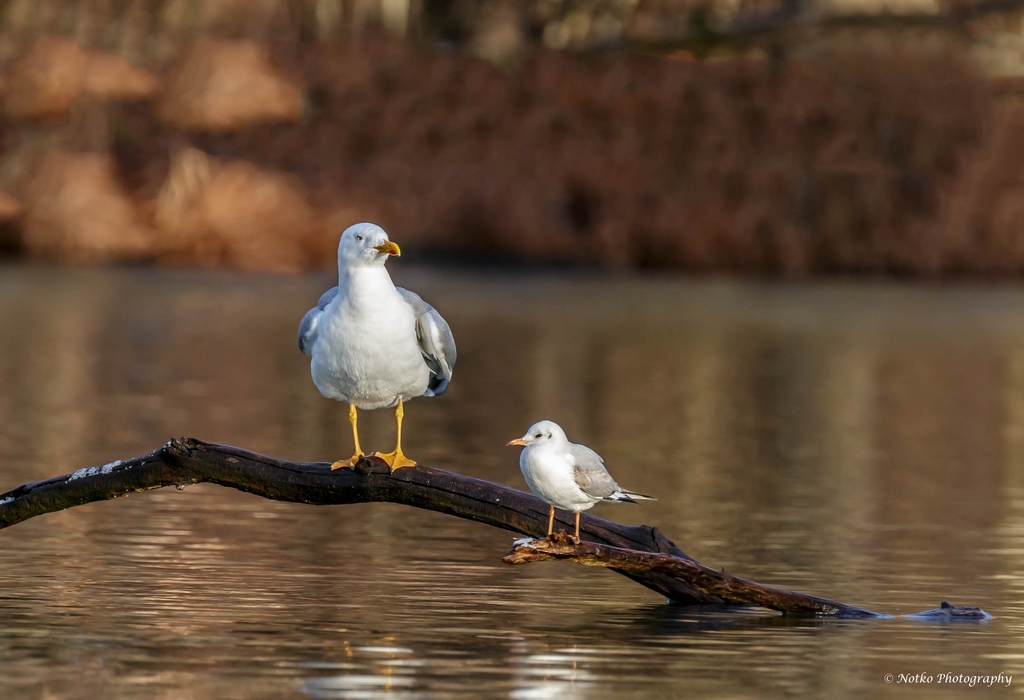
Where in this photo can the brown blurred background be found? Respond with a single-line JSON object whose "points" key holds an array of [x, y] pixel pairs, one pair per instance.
{"points": [[778, 137]]}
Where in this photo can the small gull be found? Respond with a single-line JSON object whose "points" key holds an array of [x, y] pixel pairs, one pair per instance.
{"points": [[564, 474], [375, 345]]}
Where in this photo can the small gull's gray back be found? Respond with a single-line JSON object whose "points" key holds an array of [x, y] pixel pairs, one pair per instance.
{"points": [[590, 473]]}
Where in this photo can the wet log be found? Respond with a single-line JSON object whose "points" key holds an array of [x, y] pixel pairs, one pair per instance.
{"points": [[727, 587], [185, 461], [641, 553], [713, 581]]}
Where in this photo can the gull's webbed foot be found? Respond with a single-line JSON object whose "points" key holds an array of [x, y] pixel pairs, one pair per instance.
{"points": [[349, 463], [395, 460]]}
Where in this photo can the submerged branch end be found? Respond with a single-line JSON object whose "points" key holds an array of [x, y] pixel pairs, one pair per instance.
{"points": [[729, 588]]}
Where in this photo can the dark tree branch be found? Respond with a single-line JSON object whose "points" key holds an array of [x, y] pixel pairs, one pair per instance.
{"points": [[642, 553], [184, 461], [718, 583], [712, 581]]}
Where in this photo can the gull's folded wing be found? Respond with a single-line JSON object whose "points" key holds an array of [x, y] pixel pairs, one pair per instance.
{"points": [[310, 325], [590, 473], [436, 342]]}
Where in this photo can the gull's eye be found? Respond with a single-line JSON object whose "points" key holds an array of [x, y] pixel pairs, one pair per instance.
{"points": [[359, 238], [538, 435]]}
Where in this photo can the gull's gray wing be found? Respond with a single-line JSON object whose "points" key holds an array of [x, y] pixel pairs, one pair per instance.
{"points": [[436, 342], [591, 475], [310, 325]]}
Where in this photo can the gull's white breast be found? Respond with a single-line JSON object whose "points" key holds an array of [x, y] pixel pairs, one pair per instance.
{"points": [[367, 352], [550, 475]]}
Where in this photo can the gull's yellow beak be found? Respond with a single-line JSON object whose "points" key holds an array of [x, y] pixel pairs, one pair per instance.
{"points": [[388, 247], [517, 441]]}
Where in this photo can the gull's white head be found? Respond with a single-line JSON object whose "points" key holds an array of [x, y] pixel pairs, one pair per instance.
{"points": [[364, 245], [544, 433]]}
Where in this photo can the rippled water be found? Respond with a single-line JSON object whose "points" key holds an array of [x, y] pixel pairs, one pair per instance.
{"points": [[864, 443]]}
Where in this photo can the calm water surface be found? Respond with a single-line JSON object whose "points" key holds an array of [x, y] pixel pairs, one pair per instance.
{"points": [[860, 442]]}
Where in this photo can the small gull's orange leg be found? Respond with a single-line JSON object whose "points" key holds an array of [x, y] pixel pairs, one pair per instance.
{"points": [[576, 538], [551, 521], [353, 419]]}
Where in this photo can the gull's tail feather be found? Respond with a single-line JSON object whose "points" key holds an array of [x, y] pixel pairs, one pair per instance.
{"points": [[629, 497]]}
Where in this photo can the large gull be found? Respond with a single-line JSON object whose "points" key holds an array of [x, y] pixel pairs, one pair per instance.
{"points": [[564, 474], [375, 345]]}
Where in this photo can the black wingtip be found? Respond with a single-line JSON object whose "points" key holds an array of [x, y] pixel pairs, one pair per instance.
{"points": [[634, 497]]}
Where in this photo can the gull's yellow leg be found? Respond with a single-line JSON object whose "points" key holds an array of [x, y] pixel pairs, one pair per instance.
{"points": [[353, 419], [397, 459], [576, 538], [551, 520]]}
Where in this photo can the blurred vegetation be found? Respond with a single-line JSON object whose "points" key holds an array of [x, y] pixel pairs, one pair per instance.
{"points": [[787, 138]]}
